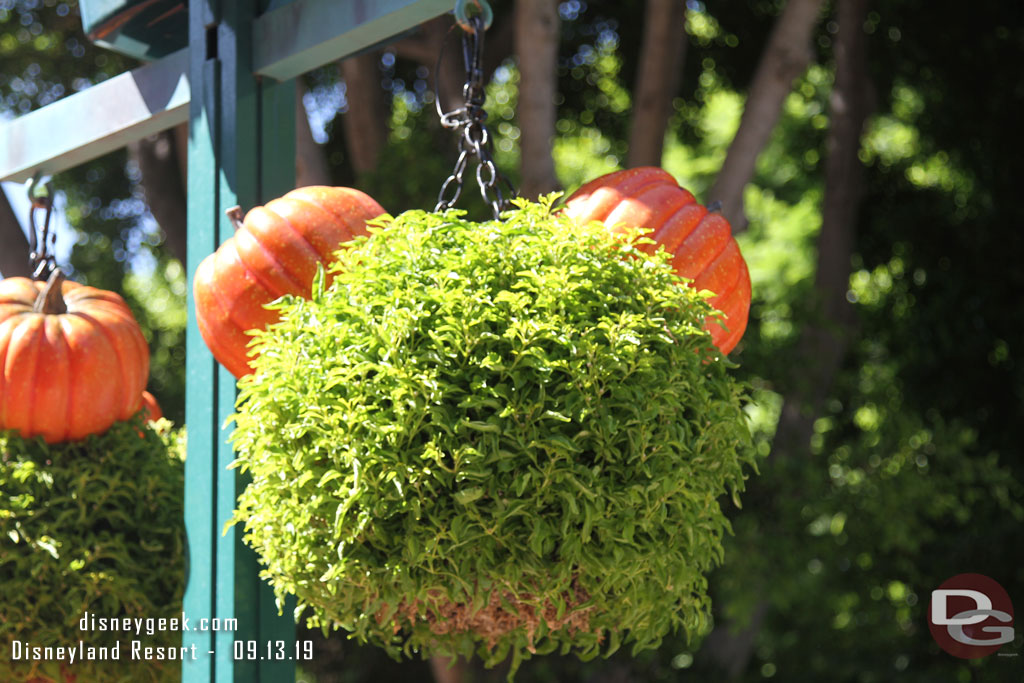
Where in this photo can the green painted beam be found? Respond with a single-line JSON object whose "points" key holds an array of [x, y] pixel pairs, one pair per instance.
{"points": [[201, 379], [304, 34], [100, 119], [237, 156]]}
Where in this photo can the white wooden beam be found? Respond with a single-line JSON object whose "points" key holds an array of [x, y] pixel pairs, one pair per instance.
{"points": [[98, 120], [289, 40]]}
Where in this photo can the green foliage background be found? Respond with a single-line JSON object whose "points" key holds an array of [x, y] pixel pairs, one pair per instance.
{"points": [[913, 473]]}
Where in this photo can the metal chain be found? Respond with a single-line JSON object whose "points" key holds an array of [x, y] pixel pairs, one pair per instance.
{"points": [[469, 121], [42, 243]]}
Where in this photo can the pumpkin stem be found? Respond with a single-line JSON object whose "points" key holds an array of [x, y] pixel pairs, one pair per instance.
{"points": [[235, 216], [50, 300]]}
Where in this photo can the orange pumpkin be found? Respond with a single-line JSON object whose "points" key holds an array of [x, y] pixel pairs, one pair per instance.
{"points": [[700, 242], [274, 252], [150, 408], [72, 359]]}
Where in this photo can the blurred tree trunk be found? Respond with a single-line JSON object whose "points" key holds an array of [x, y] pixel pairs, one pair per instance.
{"points": [[657, 80], [14, 250], [366, 121], [785, 57], [163, 163], [310, 160], [180, 133], [500, 41], [425, 46], [824, 340], [444, 672], [162, 184], [536, 41]]}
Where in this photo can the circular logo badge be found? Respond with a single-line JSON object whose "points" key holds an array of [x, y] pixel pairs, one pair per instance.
{"points": [[970, 616]]}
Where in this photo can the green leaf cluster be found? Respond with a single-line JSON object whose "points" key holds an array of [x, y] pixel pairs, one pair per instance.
{"points": [[506, 438], [91, 526]]}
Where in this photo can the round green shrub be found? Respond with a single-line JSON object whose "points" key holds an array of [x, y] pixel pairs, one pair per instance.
{"points": [[503, 437], [91, 526]]}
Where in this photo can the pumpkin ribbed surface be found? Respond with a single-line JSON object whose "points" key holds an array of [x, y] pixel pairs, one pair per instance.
{"points": [[275, 252], [66, 375], [700, 241], [151, 408]]}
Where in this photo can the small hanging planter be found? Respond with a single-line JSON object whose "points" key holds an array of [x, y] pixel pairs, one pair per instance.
{"points": [[90, 527], [505, 437], [90, 497]]}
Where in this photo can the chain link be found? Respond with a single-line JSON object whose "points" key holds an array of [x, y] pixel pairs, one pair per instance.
{"points": [[469, 121]]}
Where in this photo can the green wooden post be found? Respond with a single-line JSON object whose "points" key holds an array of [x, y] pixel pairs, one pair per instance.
{"points": [[241, 152]]}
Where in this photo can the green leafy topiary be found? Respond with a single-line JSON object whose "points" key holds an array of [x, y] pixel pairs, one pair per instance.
{"points": [[91, 526], [505, 437]]}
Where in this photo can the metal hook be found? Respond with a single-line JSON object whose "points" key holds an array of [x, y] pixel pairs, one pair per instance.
{"points": [[40, 193], [41, 242], [472, 59]]}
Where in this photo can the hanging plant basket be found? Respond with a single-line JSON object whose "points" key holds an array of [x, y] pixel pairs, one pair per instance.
{"points": [[505, 438], [90, 527]]}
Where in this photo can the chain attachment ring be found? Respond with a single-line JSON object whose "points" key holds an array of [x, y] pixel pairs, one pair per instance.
{"points": [[462, 17]]}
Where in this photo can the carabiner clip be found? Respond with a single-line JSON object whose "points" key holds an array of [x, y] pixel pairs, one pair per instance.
{"points": [[41, 242]]}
